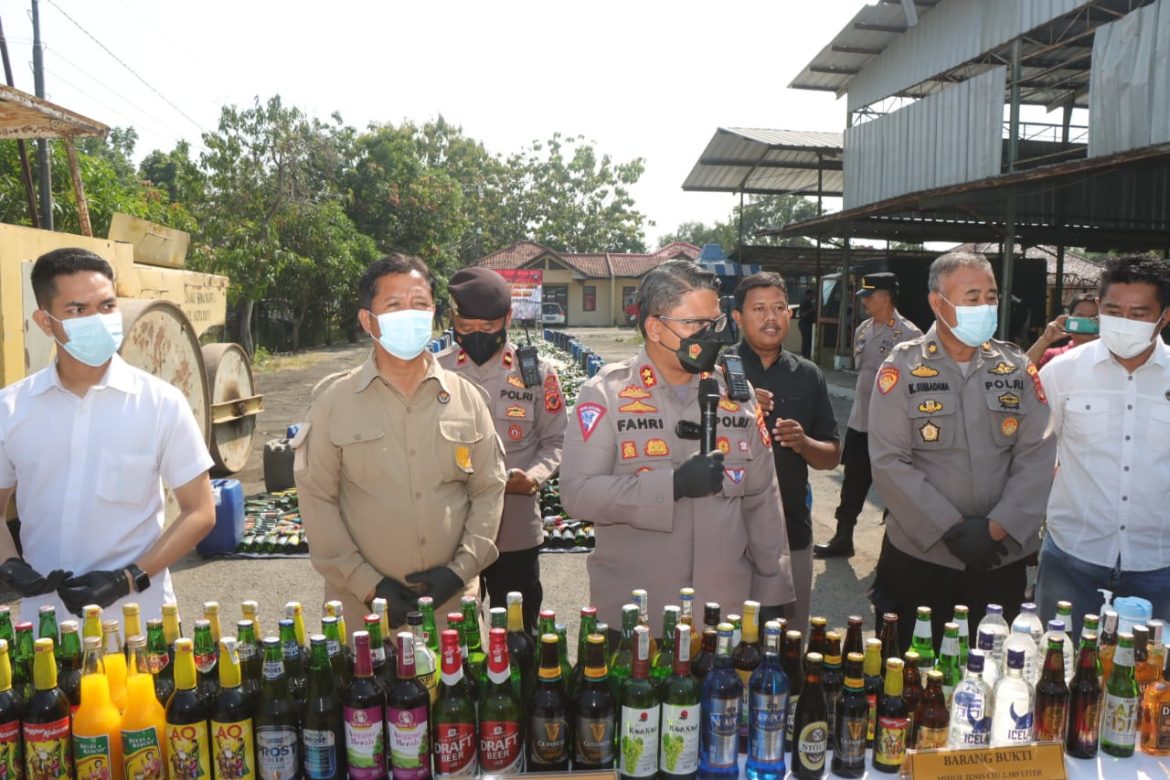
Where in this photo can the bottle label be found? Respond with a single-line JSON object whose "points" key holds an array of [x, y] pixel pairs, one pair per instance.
{"points": [[320, 753], [594, 741], [158, 662], [1051, 721], [429, 679], [333, 647], [790, 726], [141, 753], [849, 744], [231, 749], [92, 756], [188, 750], [768, 715], [278, 752], [639, 742], [1161, 727], [930, 738], [247, 651], [890, 745], [811, 744], [1118, 720], [455, 749], [365, 749], [409, 748], [11, 763], [680, 738], [970, 723], [499, 747], [46, 750], [205, 662], [745, 677], [548, 741], [871, 718], [721, 721], [273, 670]]}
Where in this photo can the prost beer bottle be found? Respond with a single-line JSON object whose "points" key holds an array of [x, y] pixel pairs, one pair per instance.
{"points": [[453, 716], [188, 743], [250, 610], [872, 681], [638, 733], [1119, 707], [767, 702], [363, 709], [251, 662], [295, 611], [158, 658], [852, 721], [811, 725], [97, 745], [11, 712], [681, 696], [406, 715], [932, 719], [1052, 696], [278, 746], [1084, 716], [322, 729], [893, 722], [144, 723], [745, 658], [722, 698], [594, 712], [69, 677], [233, 747], [47, 753], [548, 713], [501, 744], [294, 659]]}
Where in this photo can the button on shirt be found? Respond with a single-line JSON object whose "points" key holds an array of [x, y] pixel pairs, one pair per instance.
{"points": [[1113, 448], [88, 472]]}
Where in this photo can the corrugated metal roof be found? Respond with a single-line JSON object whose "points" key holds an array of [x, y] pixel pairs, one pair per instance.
{"points": [[769, 162], [591, 265]]}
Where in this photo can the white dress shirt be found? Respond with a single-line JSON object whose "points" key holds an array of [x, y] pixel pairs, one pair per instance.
{"points": [[1111, 496], [88, 472]]}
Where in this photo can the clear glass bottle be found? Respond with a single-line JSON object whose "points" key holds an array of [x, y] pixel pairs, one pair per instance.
{"points": [[1014, 705], [971, 707]]}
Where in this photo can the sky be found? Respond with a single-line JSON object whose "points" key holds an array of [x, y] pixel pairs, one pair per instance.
{"points": [[639, 79]]}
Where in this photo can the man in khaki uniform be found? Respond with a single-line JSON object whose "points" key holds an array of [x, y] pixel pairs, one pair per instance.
{"points": [[667, 516], [872, 343], [530, 421], [399, 469], [961, 457]]}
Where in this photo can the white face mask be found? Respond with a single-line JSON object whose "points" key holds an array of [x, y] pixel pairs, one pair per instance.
{"points": [[1127, 338]]}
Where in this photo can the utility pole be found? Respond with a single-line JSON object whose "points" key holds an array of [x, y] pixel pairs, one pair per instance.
{"points": [[43, 172]]}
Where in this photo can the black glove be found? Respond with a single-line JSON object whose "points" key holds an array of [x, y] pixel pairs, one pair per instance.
{"points": [[771, 612], [96, 587], [27, 581], [399, 598], [699, 476], [440, 583], [971, 543]]}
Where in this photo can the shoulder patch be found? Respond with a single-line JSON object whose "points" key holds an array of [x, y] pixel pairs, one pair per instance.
{"points": [[588, 415], [1036, 383], [552, 393], [887, 378], [649, 379]]}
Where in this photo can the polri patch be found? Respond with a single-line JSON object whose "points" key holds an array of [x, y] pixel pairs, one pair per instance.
{"points": [[887, 378], [929, 432], [515, 432], [588, 415], [1009, 426], [629, 450]]}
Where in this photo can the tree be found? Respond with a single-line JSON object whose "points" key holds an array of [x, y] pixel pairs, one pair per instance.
{"points": [[176, 173], [759, 212]]}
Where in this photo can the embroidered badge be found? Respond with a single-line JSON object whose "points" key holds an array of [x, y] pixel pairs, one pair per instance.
{"points": [[444, 397], [1009, 401], [886, 379], [923, 371], [552, 394], [1002, 369], [588, 415], [507, 359], [735, 475], [634, 392], [461, 358], [515, 432], [727, 405], [648, 377], [463, 458], [629, 450], [930, 406], [723, 445], [1009, 426], [744, 446], [1035, 374], [515, 381], [637, 407], [929, 432], [657, 448]]}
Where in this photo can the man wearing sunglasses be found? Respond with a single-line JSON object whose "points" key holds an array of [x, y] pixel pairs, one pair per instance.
{"points": [[668, 516]]}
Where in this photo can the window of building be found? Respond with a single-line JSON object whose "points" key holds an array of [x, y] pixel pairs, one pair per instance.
{"points": [[589, 298]]}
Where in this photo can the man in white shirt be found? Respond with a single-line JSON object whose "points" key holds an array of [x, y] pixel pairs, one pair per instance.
{"points": [[87, 440], [1110, 401]]}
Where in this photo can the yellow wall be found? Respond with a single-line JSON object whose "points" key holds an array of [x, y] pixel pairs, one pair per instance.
{"points": [[604, 314]]}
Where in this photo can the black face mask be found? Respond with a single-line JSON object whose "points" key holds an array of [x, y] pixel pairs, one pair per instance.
{"points": [[698, 353], [480, 346]]}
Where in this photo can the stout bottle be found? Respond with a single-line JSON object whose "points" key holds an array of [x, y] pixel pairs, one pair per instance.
{"points": [[594, 712], [852, 721], [811, 726], [548, 713]]}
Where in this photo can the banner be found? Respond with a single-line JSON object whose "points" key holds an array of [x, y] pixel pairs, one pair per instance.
{"points": [[526, 291]]}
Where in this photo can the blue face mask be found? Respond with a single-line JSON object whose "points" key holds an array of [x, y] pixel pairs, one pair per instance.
{"points": [[406, 333], [94, 339], [975, 324]]}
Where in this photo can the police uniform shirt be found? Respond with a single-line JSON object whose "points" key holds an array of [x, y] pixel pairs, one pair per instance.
{"points": [[947, 444], [872, 344]]}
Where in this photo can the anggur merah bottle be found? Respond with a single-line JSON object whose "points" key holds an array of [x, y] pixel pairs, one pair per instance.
{"points": [[407, 749], [11, 711], [69, 661]]}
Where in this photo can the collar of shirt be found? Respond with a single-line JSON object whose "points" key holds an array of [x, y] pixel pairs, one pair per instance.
{"points": [[118, 377], [749, 355], [369, 372], [503, 361], [643, 360], [1157, 358], [931, 348]]}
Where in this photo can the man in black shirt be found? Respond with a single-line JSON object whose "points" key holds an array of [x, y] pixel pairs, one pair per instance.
{"points": [[799, 415]]}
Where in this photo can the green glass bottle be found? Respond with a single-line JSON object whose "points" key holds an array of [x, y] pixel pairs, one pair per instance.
{"points": [[588, 626], [622, 661], [233, 746], [680, 693], [7, 633], [922, 642], [476, 657], [500, 713], [1120, 704], [69, 678], [662, 665], [521, 647], [962, 619], [548, 713], [406, 716], [426, 606], [187, 735], [455, 744], [294, 659], [206, 658], [251, 664], [562, 633], [332, 632], [11, 712], [638, 732], [455, 623], [949, 660], [322, 730], [22, 660], [426, 663], [383, 671], [158, 657], [48, 624], [278, 747], [46, 720]]}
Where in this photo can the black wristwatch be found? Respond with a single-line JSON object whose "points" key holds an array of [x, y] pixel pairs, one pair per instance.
{"points": [[140, 578]]}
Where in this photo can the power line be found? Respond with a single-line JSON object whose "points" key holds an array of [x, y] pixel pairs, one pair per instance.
{"points": [[133, 72]]}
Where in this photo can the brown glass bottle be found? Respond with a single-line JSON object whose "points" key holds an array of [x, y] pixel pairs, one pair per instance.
{"points": [[810, 723], [893, 721], [932, 719], [706, 657], [548, 713], [854, 636], [891, 647], [1084, 709], [911, 691], [595, 712], [817, 635], [1052, 696], [851, 722], [791, 662]]}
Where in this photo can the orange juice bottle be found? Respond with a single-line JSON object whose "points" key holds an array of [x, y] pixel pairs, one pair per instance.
{"points": [[97, 744], [144, 724], [115, 662]]}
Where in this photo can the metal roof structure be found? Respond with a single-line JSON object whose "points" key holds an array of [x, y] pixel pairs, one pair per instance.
{"points": [[24, 116], [769, 162], [802, 260]]}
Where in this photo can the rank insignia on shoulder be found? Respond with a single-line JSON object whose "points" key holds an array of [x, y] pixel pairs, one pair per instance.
{"points": [[515, 381], [588, 415], [728, 405], [887, 378], [929, 432], [637, 407], [444, 397], [463, 458], [507, 359], [629, 450], [930, 406], [657, 448], [515, 432], [648, 377], [1009, 426], [1009, 401], [735, 475], [461, 358], [931, 348], [1033, 372], [723, 445], [634, 392], [1002, 369], [923, 371]]}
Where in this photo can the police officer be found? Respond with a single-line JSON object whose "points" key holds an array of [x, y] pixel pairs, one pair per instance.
{"points": [[529, 414], [667, 516], [399, 469], [872, 342], [961, 456]]}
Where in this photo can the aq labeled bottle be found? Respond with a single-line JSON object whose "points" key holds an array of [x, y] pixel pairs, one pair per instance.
{"points": [[233, 747], [188, 741]]}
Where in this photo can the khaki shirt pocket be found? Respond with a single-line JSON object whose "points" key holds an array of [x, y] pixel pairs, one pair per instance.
{"points": [[455, 448], [932, 421], [515, 421], [363, 451], [735, 467], [1004, 415]]}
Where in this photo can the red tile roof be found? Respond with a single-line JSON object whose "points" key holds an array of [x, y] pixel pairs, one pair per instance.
{"points": [[591, 265]]}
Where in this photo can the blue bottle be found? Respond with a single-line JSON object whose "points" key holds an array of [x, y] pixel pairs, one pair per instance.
{"points": [[722, 694], [767, 711]]}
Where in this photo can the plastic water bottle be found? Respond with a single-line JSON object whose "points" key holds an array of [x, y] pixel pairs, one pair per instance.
{"points": [[1030, 616], [1021, 639], [971, 707], [993, 622], [986, 642], [1014, 705], [1057, 627]]}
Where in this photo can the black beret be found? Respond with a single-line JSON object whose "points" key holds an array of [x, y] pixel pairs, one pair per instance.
{"points": [[480, 294]]}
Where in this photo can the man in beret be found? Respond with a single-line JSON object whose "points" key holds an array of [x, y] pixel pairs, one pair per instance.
{"points": [[529, 417]]}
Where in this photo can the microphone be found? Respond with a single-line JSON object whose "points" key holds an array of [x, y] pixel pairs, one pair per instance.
{"points": [[708, 421]]}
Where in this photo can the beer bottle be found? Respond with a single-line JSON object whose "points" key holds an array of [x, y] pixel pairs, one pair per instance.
{"points": [[22, 660], [476, 658], [158, 659], [521, 648], [721, 699], [932, 720], [295, 611], [332, 631], [172, 626], [854, 636], [686, 601], [383, 670], [949, 659], [453, 716], [46, 719], [893, 721], [188, 743], [322, 727], [794, 669], [767, 711], [595, 711], [211, 615], [1157, 649], [922, 641], [426, 608], [852, 721], [455, 623], [638, 733], [588, 626], [7, 633], [971, 707], [1084, 709], [425, 666], [817, 635], [911, 690], [1143, 672], [563, 654], [872, 682], [11, 712], [745, 658], [548, 713], [1119, 706], [278, 746], [1052, 695], [681, 697], [662, 665], [364, 710], [251, 664], [832, 677], [622, 662], [501, 748], [1155, 738], [48, 624], [69, 679], [97, 745], [205, 661], [701, 666], [250, 610], [962, 620], [811, 723], [294, 659], [1108, 642], [891, 645], [642, 599], [144, 723], [233, 746]]}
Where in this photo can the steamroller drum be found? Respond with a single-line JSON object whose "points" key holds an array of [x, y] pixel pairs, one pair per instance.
{"points": [[229, 377]]}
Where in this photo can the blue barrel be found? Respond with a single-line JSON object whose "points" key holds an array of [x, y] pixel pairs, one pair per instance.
{"points": [[229, 518]]}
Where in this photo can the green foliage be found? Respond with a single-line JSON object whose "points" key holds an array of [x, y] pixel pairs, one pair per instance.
{"points": [[758, 213]]}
